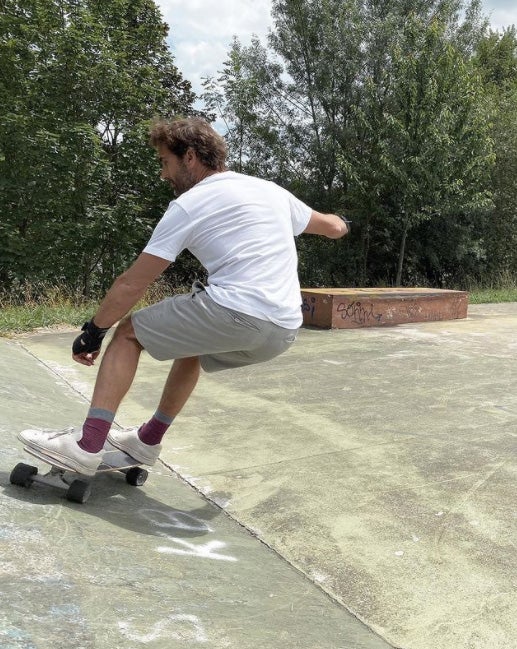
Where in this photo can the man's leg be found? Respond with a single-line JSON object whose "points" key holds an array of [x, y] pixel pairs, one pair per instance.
{"points": [[118, 368], [145, 444], [115, 376], [179, 386]]}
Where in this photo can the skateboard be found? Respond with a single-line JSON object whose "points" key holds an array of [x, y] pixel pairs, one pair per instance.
{"points": [[77, 486]]}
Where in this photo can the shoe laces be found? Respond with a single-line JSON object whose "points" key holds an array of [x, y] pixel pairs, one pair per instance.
{"points": [[59, 433]]}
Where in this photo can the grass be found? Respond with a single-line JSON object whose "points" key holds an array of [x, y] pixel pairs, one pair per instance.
{"points": [[53, 309], [18, 319], [492, 295], [46, 307]]}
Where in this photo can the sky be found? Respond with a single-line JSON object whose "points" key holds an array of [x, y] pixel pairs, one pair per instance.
{"points": [[201, 31]]}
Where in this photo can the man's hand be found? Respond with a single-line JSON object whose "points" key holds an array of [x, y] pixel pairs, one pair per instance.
{"points": [[346, 222], [86, 347], [327, 225]]}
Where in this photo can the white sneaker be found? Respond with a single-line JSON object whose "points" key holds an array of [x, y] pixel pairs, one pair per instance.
{"points": [[62, 446], [129, 442]]}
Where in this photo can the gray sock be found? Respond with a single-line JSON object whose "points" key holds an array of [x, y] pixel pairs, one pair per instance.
{"points": [[100, 413], [165, 419]]}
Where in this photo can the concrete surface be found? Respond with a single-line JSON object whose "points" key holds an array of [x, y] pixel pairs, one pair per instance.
{"points": [[378, 465]]}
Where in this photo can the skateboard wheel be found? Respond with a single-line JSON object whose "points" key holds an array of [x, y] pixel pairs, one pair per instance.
{"points": [[136, 476], [79, 491], [22, 475]]}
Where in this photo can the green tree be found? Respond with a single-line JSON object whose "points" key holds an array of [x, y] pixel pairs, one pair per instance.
{"points": [[377, 113], [79, 82], [247, 98], [496, 59], [432, 139]]}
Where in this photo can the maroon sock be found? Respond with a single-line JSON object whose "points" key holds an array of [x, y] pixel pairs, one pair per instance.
{"points": [[153, 431], [95, 432]]}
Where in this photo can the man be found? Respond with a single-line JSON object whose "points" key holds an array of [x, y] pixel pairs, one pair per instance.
{"points": [[242, 230]]}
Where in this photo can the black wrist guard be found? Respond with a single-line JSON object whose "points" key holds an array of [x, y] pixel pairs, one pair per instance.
{"points": [[90, 340]]}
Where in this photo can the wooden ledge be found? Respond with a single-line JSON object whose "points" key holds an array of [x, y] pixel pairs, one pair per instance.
{"points": [[350, 308]]}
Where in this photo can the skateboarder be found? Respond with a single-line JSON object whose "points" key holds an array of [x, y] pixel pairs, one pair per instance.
{"points": [[242, 231]]}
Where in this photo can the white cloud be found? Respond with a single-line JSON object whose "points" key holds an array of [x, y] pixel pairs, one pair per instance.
{"points": [[201, 31], [222, 18], [200, 59], [500, 15]]}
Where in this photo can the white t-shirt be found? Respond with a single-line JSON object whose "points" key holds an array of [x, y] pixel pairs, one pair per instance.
{"points": [[242, 230]]}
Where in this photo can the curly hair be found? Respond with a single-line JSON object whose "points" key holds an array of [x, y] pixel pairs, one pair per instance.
{"points": [[181, 133]]}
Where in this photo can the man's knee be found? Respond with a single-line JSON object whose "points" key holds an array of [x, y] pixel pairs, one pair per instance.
{"points": [[188, 361], [125, 332]]}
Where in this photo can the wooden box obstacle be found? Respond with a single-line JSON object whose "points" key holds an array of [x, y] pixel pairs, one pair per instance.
{"points": [[350, 308]]}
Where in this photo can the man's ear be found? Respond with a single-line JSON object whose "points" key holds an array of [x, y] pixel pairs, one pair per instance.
{"points": [[190, 155]]}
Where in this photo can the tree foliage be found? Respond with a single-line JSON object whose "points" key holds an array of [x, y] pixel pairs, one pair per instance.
{"points": [[401, 114], [496, 59], [377, 109], [79, 82]]}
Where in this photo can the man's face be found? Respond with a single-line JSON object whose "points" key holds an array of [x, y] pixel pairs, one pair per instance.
{"points": [[175, 170]]}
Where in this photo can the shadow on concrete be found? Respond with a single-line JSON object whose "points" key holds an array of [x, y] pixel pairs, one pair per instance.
{"points": [[114, 501]]}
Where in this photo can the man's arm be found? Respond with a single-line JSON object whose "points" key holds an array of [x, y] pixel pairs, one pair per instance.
{"points": [[125, 292], [128, 288], [327, 225]]}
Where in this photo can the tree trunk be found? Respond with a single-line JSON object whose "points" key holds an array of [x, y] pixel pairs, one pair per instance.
{"points": [[402, 252]]}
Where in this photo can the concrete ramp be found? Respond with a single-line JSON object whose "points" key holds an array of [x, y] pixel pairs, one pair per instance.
{"points": [[159, 566], [367, 474]]}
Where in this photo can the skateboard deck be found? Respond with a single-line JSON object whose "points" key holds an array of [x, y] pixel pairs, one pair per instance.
{"points": [[77, 485]]}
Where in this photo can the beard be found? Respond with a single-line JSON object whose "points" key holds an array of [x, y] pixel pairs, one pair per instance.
{"points": [[183, 181]]}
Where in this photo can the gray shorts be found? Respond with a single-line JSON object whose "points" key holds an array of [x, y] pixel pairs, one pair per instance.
{"points": [[194, 325]]}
